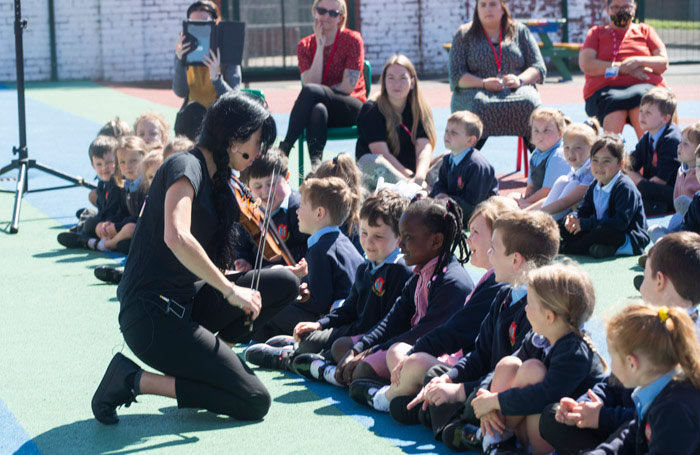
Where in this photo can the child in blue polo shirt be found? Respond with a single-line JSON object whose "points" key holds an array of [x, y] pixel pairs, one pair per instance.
{"points": [[331, 259], [465, 175]]}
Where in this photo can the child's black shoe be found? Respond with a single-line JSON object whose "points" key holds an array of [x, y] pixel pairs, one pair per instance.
{"points": [[108, 274], [73, 240], [266, 356], [602, 251], [461, 437], [363, 390], [397, 409], [642, 261], [638, 281], [280, 341], [302, 365], [113, 390]]}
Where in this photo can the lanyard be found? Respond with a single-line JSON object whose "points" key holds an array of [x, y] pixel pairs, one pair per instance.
{"points": [[616, 48], [405, 128], [330, 57], [500, 49]]}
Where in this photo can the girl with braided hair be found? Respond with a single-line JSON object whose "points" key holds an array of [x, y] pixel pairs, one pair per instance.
{"points": [[434, 243], [179, 311]]}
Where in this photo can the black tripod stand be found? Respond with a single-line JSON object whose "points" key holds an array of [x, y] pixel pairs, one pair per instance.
{"points": [[23, 163]]}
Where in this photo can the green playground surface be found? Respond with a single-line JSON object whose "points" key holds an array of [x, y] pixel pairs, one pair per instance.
{"points": [[59, 324]]}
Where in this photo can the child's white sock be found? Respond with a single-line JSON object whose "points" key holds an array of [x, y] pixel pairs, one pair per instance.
{"points": [[315, 366], [92, 243], [321, 370], [495, 438], [379, 401], [101, 245], [329, 375]]}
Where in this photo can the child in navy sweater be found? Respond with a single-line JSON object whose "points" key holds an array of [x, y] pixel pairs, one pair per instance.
{"points": [[654, 162], [556, 360], [431, 231], [446, 343], [647, 344], [611, 219], [465, 175], [691, 220], [331, 260], [377, 284]]}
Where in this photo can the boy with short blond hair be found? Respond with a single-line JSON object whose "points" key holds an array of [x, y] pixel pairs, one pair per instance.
{"points": [[465, 175], [654, 161]]}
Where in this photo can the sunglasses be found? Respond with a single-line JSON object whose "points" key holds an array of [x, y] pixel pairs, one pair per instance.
{"points": [[331, 12]]}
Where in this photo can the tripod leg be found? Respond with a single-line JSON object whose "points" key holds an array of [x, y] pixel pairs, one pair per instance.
{"points": [[19, 193]]}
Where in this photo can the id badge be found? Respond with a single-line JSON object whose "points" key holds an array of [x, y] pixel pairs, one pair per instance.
{"points": [[612, 71]]}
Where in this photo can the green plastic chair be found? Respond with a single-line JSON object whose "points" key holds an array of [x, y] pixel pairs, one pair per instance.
{"points": [[336, 134], [255, 92]]}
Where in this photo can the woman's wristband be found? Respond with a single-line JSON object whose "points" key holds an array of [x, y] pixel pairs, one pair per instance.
{"points": [[230, 294]]}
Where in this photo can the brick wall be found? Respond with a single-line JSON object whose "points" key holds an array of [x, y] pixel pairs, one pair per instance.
{"points": [[132, 40]]}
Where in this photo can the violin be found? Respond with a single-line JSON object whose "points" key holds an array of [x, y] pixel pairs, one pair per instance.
{"points": [[253, 220]]}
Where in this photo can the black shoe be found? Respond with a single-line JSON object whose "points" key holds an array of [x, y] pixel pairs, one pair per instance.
{"points": [[461, 437], [113, 390], [73, 240], [602, 251], [506, 447], [642, 261], [302, 365], [108, 274], [266, 356], [397, 409], [79, 212], [638, 281], [280, 341], [363, 390]]}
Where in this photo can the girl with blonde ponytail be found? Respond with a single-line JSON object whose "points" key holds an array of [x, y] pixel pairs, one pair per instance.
{"points": [[656, 351]]}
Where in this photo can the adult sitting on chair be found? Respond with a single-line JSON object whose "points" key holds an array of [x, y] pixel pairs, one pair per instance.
{"points": [[330, 63], [622, 61], [200, 86], [395, 127], [495, 63]]}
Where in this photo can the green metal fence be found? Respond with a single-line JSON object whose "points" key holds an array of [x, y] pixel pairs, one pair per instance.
{"points": [[273, 29], [678, 24]]}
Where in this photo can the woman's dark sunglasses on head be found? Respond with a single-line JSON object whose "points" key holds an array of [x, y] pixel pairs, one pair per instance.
{"points": [[331, 12]]}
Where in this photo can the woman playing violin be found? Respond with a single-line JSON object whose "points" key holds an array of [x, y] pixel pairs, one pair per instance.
{"points": [[179, 312]]}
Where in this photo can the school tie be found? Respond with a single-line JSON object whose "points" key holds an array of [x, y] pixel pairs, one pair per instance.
{"points": [[508, 300]]}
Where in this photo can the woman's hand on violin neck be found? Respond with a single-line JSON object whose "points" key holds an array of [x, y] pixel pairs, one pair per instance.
{"points": [[246, 299]]}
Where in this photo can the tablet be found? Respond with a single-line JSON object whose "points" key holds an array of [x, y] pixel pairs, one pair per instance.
{"points": [[199, 34]]}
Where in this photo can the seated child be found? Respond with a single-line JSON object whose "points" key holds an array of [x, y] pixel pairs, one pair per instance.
{"points": [[610, 220], [331, 258], [647, 345], [177, 145], [152, 128], [568, 191], [556, 359], [285, 200], [654, 163], [522, 240], [547, 161], [101, 152], [377, 284], [409, 363], [670, 278], [431, 231], [465, 175], [343, 166], [691, 220]]}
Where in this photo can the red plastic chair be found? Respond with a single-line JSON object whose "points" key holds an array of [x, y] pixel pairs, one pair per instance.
{"points": [[522, 157]]}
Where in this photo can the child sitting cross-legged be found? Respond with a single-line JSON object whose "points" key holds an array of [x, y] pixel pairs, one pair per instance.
{"points": [[465, 174], [610, 220], [431, 234], [331, 259], [655, 351], [691, 220], [556, 360], [522, 241], [377, 284]]}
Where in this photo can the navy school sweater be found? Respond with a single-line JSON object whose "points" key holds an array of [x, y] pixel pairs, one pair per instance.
{"points": [[664, 164], [691, 220], [501, 333], [625, 213], [371, 297], [108, 199], [671, 425], [461, 330], [445, 297], [468, 183], [572, 368], [618, 407], [333, 262], [130, 204], [288, 227]]}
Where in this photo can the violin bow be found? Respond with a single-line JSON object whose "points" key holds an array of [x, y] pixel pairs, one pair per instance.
{"points": [[259, 256]]}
